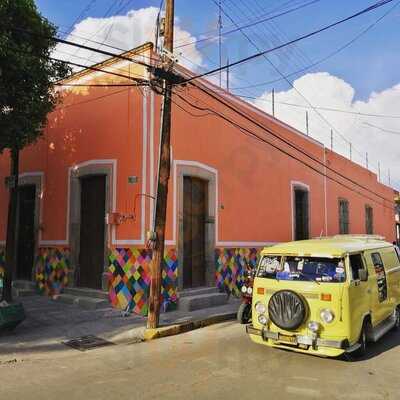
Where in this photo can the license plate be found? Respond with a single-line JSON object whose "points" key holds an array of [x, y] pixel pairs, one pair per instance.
{"points": [[288, 339]]}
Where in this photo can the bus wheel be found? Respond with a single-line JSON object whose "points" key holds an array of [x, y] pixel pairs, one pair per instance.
{"points": [[362, 341]]}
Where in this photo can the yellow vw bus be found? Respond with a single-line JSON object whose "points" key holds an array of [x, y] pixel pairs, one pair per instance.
{"points": [[326, 296]]}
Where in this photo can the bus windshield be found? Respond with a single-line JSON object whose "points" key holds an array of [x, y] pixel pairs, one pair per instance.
{"points": [[295, 268]]}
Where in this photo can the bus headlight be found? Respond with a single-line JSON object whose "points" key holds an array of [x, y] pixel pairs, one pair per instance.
{"points": [[313, 326], [262, 319], [244, 289], [260, 308], [249, 290], [327, 316]]}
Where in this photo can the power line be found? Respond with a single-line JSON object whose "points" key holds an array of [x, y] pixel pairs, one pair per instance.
{"points": [[291, 84], [382, 129], [96, 69], [81, 14], [81, 46], [212, 38], [101, 85], [113, 22], [279, 148], [131, 74], [277, 136], [322, 60], [322, 108], [298, 39], [255, 136], [242, 20], [104, 24]]}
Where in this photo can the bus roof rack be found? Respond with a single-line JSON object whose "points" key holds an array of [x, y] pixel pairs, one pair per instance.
{"points": [[360, 237]]}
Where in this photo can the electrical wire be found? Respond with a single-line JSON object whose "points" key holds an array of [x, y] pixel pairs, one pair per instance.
{"points": [[294, 88], [80, 16], [94, 69], [226, 33], [298, 39], [277, 136], [322, 60], [361, 114], [279, 148], [382, 129], [131, 74], [242, 20], [81, 46], [101, 85]]}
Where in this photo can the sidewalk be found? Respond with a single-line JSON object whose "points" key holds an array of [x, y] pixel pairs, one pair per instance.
{"points": [[49, 322]]}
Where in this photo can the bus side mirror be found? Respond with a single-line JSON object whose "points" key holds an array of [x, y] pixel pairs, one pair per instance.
{"points": [[363, 275]]}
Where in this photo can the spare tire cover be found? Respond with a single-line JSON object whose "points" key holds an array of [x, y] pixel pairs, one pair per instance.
{"points": [[286, 309]]}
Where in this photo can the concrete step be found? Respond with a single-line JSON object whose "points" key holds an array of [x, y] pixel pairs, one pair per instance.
{"points": [[198, 302], [87, 303], [24, 292], [84, 292], [19, 284], [198, 291]]}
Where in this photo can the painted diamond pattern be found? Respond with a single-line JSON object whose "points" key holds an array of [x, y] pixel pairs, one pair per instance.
{"points": [[129, 279], [51, 270], [230, 265]]}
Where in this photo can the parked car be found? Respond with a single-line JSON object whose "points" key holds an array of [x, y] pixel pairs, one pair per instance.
{"points": [[326, 296]]}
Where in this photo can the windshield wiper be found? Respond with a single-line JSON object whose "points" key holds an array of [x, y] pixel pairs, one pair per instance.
{"points": [[307, 277]]}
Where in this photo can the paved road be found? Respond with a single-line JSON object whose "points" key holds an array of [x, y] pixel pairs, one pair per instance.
{"points": [[49, 322], [218, 362]]}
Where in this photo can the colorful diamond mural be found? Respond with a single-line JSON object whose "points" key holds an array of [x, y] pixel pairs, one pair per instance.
{"points": [[230, 265], [51, 270], [129, 279]]}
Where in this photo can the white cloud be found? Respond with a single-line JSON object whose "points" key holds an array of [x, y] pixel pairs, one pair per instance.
{"points": [[125, 32], [325, 90]]}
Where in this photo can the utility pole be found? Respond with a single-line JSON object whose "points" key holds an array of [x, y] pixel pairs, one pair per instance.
{"points": [[273, 102], [351, 151], [220, 42], [227, 74], [331, 139], [366, 160], [307, 127], [379, 171], [163, 177]]}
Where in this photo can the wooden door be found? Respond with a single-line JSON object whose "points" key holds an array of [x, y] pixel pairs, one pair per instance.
{"points": [[301, 214], [92, 231], [194, 218], [26, 231]]}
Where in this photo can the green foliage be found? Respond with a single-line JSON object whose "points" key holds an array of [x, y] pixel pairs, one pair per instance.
{"points": [[26, 73]]}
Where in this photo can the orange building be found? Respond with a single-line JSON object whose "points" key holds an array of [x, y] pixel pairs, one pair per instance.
{"points": [[240, 180]]}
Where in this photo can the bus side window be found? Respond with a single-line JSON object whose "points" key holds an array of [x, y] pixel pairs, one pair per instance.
{"points": [[356, 263], [397, 252], [380, 276]]}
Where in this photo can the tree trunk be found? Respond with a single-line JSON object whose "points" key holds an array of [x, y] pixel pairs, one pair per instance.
{"points": [[11, 239]]}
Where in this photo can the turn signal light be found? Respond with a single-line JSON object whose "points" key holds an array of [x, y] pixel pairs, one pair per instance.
{"points": [[260, 290], [326, 297]]}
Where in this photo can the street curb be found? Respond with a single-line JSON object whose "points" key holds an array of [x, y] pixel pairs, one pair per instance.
{"points": [[141, 334], [171, 330]]}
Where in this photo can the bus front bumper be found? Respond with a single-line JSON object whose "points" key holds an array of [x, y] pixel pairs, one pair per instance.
{"points": [[300, 340]]}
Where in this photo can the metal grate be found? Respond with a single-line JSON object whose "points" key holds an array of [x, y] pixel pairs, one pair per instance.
{"points": [[89, 342]]}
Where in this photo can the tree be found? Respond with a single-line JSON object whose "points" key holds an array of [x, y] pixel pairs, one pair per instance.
{"points": [[27, 75]]}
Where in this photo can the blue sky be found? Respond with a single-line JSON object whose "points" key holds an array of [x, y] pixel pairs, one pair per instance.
{"points": [[369, 65]]}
